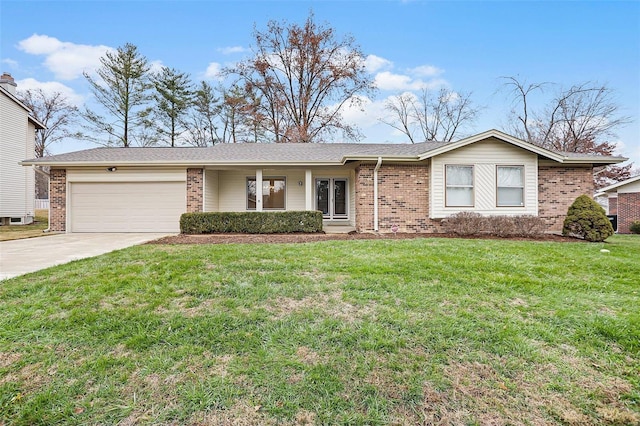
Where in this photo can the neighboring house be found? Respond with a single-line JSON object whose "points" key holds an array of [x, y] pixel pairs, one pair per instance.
{"points": [[17, 142], [624, 201], [369, 187]]}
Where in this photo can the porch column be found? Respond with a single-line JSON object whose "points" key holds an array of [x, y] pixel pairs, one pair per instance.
{"points": [[308, 190], [259, 190]]}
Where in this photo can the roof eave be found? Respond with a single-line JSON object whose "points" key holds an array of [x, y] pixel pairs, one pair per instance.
{"points": [[595, 161], [176, 163]]}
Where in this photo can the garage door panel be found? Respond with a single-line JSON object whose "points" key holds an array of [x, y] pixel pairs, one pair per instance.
{"points": [[127, 206]]}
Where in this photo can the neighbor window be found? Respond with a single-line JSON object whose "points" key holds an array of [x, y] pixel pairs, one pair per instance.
{"points": [[510, 186], [459, 183], [273, 193]]}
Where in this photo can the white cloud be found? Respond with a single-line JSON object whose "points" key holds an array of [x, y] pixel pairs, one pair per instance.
{"points": [[426, 71], [10, 62], [65, 59], [50, 87], [232, 49], [388, 81], [375, 63], [213, 71], [156, 66]]}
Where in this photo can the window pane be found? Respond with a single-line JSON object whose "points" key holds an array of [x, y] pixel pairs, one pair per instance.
{"points": [[273, 193], [322, 196], [460, 175], [510, 197], [459, 196], [510, 176], [251, 194], [340, 197]]}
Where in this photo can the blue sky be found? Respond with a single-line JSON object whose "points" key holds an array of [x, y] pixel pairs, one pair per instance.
{"points": [[464, 45]]}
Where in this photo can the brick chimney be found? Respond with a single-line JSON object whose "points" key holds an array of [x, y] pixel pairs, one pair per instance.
{"points": [[8, 83]]}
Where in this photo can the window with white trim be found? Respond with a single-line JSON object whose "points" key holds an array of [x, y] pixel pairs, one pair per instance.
{"points": [[459, 186], [273, 193], [510, 186]]}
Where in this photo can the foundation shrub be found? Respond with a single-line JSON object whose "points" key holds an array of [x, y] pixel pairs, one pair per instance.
{"points": [[251, 222], [635, 227], [586, 219], [469, 223]]}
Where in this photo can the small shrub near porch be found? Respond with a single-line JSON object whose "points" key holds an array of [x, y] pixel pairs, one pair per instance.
{"points": [[251, 222]]}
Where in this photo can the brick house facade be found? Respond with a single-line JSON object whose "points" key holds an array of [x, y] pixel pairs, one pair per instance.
{"points": [[159, 184]]}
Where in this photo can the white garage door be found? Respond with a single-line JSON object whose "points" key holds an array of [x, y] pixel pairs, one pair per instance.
{"points": [[127, 206]]}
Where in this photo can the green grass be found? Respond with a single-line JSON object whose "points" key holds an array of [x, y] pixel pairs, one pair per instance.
{"points": [[425, 331], [17, 232]]}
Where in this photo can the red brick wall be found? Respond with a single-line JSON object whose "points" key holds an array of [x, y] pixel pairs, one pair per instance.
{"points": [[403, 194], [628, 211], [558, 187], [194, 190], [57, 199], [613, 206]]}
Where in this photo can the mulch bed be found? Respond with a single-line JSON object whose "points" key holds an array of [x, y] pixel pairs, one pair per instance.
{"points": [[307, 238]]}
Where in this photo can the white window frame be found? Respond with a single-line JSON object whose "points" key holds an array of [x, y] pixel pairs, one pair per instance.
{"points": [[472, 186], [522, 187]]}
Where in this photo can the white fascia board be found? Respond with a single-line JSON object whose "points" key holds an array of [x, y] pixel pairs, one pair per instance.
{"points": [[62, 164], [374, 158], [619, 184], [593, 160]]}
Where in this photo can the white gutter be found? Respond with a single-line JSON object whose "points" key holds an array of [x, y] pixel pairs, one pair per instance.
{"points": [[375, 194]]}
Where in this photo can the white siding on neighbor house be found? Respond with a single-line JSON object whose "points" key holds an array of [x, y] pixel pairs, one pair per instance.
{"points": [[211, 190], [485, 156], [629, 188], [17, 143]]}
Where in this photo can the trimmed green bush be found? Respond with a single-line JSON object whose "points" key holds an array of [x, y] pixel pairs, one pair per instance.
{"points": [[251, 222], [635, 227], [587, 220]]}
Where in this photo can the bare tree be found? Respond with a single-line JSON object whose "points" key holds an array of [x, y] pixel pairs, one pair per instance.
{"points": [[55, 112], [59, 116], [440, 116], [581, 119], [122, 89], [303, 77]]}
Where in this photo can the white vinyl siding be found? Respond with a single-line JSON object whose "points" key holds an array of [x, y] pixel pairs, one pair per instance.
{"points": [[126, 206], [485, 156], [17, 183], [211, 190], [629, 188]]}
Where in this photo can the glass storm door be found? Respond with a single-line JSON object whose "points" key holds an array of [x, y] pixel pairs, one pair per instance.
{"points": [[331, 198]]}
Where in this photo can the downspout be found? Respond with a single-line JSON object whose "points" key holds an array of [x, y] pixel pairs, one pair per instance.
{"points": [[375, 194]]}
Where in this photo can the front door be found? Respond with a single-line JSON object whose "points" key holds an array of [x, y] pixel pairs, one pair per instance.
{"points": [[331, 198]]}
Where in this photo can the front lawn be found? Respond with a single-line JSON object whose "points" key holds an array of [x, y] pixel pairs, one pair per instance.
{"points": [[423, 331]]}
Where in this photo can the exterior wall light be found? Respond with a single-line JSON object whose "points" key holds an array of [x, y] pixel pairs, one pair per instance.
{"points": [[112, 169]]}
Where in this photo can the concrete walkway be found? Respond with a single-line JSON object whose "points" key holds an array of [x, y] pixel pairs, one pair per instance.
{"points": [[20, 257]]}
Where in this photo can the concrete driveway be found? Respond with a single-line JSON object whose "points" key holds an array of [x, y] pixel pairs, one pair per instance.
{"points": [[19, 257]]}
